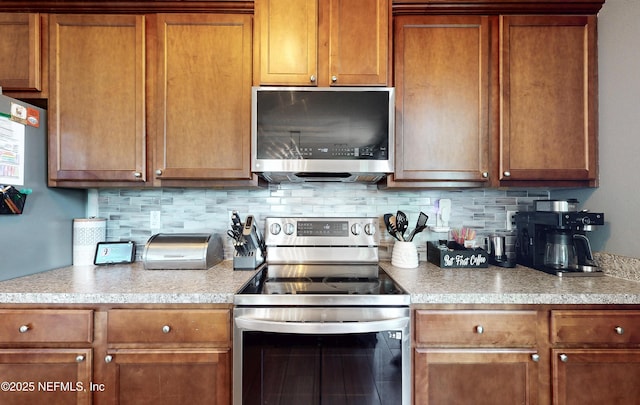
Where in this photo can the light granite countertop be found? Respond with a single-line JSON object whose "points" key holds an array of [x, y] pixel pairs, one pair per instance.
{"points": [[427, 284], [126, 284]]}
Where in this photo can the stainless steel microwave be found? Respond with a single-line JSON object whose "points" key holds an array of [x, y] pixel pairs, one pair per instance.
{"points": [[341, 134]]}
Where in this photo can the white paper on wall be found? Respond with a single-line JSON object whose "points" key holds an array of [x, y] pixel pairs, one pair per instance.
{"points": [[12, 138]]}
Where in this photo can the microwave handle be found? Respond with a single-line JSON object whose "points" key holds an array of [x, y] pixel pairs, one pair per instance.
{"points": [[313, 328]]}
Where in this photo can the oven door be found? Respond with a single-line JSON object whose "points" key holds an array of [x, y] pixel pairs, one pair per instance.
{"points": [[328, 355]]}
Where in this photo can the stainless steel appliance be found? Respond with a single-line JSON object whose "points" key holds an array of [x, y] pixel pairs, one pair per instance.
{"points": [[182, 251], [553, 238], [338, 134], [321, 323]]}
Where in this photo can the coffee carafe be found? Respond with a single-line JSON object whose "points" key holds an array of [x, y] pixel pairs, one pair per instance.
{"points": [[560, 251]]}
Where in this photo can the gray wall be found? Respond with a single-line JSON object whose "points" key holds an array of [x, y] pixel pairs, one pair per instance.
{"points": [[619, 130]]}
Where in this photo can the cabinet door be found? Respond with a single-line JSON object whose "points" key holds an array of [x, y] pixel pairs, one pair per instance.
{"points": [[20, 51], [442, 98], [45, 376], [96, 118], [149, 377], [359, 42], [204, 97], [596, 376], [548, 98], [459, 376], [286, 42]]}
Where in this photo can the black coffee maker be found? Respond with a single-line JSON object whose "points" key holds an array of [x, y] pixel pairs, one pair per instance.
{"points": [[553, 238]]}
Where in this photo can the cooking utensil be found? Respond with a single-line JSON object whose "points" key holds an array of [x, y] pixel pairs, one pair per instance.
{"points": [[401, 224], [391, 228], [421, 224]]}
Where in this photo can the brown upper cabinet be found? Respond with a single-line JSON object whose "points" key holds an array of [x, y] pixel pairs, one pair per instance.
{"points": [[495, 100], [97, 104], [548, 99], [21, 47], [150, 100], [442, 98], [203, 99], [322, 43]]}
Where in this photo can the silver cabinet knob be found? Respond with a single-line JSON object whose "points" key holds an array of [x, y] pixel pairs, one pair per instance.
{"points": [[535, 357], [334, 79], [485, 175], [80, 358], [479, 330], [159, 172], [23, 328], [137, 175], [619, 330], [166, 329], [108, 358], [507, 174], [312, 79], [564, 358]]}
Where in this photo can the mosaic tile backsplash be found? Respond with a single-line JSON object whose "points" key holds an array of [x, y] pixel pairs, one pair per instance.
{"points": [[185, 210]]}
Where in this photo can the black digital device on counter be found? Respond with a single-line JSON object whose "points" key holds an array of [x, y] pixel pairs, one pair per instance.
{"points": [[114, 252]]}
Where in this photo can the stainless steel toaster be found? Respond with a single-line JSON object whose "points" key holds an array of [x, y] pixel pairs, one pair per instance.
{"points": [[182, 251]]}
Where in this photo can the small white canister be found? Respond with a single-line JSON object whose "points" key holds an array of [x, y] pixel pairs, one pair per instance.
{"points": [[87, 232]]}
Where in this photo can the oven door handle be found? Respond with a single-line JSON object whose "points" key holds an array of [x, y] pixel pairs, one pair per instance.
{"points": [[329, 328]]}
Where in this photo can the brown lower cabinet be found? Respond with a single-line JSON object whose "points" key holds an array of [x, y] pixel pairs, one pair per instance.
{"points": [[177, 354], [561, 355], [46, 356], [161, 355], [477, 356], [153, 354], [595, 357]]}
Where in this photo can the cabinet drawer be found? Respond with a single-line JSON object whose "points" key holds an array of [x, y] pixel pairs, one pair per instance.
{"points": [[595, 327], [51, 326], [169, 326], [476, 328]]}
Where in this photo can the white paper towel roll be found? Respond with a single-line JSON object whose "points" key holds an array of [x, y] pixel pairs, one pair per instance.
{"points": [[87, 232]]}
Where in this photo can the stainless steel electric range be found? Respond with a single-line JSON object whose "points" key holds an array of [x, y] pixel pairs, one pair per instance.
{"points": [[321, 323]]}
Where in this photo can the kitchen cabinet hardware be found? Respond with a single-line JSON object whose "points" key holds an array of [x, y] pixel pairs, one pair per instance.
{"points": [[479, 329], [619, 330], [312, 79], [564, 358], [166, 329], [137, 174], [485, 175], [24, 328], [159, 172], [334, 79], [108, 358], [79, 358], [535, 357], [507, 174]]}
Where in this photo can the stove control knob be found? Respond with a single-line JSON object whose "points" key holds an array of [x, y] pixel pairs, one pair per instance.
{"points": [[356, 229], [289, 228], [369, 229], [275, 228]]}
